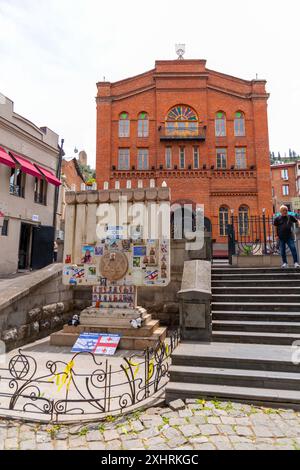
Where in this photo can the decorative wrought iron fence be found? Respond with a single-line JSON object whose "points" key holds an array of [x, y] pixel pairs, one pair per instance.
{"points": [[85, 387], [254, 235]]}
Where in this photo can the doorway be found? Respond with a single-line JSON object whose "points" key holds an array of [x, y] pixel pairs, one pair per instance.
{"points": [[25, 246]]}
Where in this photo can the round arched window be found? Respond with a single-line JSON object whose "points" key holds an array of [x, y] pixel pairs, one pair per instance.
{"points": [[182, 121]]}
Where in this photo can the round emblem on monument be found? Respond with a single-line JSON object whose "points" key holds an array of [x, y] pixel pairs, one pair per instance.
{"points": [[114, 266]]}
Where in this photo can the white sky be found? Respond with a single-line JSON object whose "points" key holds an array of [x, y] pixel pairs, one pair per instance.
{"points": [[52, 53]]}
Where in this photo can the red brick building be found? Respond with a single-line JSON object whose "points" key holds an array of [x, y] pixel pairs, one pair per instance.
{"points": [[203, 132], [286, 185]]}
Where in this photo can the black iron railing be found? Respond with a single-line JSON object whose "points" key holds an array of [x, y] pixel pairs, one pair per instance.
{"points": [[87, 386], [254, 235]]}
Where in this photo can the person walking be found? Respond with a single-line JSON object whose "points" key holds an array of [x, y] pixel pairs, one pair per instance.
{"points": [[285, 235]]}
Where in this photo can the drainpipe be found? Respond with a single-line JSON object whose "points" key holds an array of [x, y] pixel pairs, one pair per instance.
{"points": [[58, 175]]}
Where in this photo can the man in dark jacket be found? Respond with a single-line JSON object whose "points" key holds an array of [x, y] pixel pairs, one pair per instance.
{"points": [[284, 226]]}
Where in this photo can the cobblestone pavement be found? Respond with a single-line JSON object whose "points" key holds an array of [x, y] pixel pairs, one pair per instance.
{"points": [[196, 425]]}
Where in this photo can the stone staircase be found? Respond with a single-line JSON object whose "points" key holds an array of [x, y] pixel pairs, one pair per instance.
{"points": [[256, 319]]}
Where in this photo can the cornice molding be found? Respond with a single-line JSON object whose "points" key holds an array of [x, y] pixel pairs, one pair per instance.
{"points": [[13, 129]]}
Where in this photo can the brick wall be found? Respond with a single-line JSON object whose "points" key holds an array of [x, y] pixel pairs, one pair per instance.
{"points": [[189, 82]]}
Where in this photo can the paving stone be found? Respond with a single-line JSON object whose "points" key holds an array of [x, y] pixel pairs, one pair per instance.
{"points": [[114, 445], [185, 413], [197, 420], [133, 444], [208, 430], [177, 421], [176, 442], [189, 430], [61, 445], [12, 432], [199, 440], [170, 433], [42, 437], [96, 445], [93, 436], [226, 429], [243, 431], [77, 441], [213, 420], [148, 433], [262, 431], [177, 405], [11, 443], [137, 426], [228, 420], [154, 420], [154, 441], [206, 446], [221, 442], [111, 435], [45, 446], [244, 446], [28, 445], [243, 422]]}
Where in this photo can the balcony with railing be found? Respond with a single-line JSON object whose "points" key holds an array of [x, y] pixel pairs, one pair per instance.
{"points": [[182, 131]]}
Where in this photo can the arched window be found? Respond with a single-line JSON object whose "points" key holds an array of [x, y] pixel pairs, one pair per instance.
{"points": [[143, 125], [124, 125], [220, 123], [223, 220], [239, 124], [182, 121], [244, 220]]}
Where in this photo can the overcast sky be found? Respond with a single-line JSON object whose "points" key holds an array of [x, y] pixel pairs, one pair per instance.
{"points": [[52, 53]]}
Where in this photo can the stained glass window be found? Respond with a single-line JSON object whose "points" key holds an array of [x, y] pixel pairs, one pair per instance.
{"points": [[182, 113], [143, 125], [124, 125], [182, 120], [220, 124], [239, 124]]}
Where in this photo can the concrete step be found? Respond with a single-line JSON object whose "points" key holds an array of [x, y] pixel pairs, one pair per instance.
{"points": [[256, 316], [132, 342], [256, 326], [257, 290], [262, 276], [255, 337], [271, 283], [242, 377], [262, 270], [146, 330], [288, 298], [257, 306], [256, 396], [244, 356]]}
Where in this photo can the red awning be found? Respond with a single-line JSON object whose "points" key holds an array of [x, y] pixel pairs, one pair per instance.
{"points": [[50, 177], [26, 166], [6, 158]]}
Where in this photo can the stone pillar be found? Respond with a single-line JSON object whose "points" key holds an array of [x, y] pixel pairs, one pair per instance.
{"points": [[195, 301]]}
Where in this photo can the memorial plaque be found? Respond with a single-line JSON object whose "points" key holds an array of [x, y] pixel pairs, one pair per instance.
{"points": [[114, 266]]}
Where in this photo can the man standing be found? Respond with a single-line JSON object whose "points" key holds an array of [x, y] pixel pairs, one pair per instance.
{"points": [[284, 226]]}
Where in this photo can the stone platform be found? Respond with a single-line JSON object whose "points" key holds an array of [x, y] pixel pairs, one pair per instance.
{"points": [[95, 320]]}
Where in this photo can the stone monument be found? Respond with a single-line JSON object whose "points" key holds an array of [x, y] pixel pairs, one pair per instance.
{"points": [[116, 241]]}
